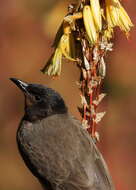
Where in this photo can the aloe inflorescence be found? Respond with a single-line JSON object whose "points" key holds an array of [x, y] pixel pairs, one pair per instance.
{"points": [[84, 38]]}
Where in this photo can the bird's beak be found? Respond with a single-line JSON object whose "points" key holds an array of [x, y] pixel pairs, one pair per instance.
{"points": [[22, 85]]}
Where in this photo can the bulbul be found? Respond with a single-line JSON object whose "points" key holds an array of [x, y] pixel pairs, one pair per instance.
{"points": [[54, 145]]}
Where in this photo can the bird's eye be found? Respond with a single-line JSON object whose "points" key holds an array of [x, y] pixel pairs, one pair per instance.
{"points": [[38, 98]]}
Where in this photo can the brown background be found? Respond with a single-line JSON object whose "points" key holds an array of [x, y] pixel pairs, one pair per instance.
{"points": [[27, 28]]}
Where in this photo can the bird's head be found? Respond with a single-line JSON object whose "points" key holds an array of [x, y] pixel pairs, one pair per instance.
{"points": [[40, 101]]}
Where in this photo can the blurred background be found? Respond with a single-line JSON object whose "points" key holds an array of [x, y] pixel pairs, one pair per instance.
{"points": [[27, 29]]}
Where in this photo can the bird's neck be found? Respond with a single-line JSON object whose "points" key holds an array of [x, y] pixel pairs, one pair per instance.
{"points": [[34, 113]]}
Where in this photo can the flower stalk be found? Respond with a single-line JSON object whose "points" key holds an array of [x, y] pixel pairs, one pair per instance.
{"points": [[84, 38]]}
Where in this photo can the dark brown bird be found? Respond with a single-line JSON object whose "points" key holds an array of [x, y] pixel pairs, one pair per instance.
{"points": [[54, 145]]}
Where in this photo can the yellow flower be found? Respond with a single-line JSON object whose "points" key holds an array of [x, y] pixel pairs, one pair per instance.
{"points": [[65, 48], [108, 33], [53, 66], [89, 24], [96, 12], [117, 16], [112, 12], [125, 23]]}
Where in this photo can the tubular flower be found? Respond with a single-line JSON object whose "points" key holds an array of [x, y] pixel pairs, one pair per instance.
{"points": [[65, 49], [108, 33], [96, 12], [53, 66], [112, 12], [89, 24], [117, 16], [125, 23], [67, 45], [91, 20]]}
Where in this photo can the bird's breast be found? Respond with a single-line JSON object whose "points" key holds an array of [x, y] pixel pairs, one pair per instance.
{"points": [[42, 150]]}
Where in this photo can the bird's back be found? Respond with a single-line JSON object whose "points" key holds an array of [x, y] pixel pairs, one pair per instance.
{"points": [[62, 155]]}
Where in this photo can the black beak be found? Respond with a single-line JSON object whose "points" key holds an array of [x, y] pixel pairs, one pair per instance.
{"points": [[22, 85]]}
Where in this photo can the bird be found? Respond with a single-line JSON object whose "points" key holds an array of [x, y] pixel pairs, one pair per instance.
{"points": [[54, 145]]}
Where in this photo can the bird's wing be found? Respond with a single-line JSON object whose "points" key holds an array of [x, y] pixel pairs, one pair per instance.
{"points": [[91, 170], [102, 176]]}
